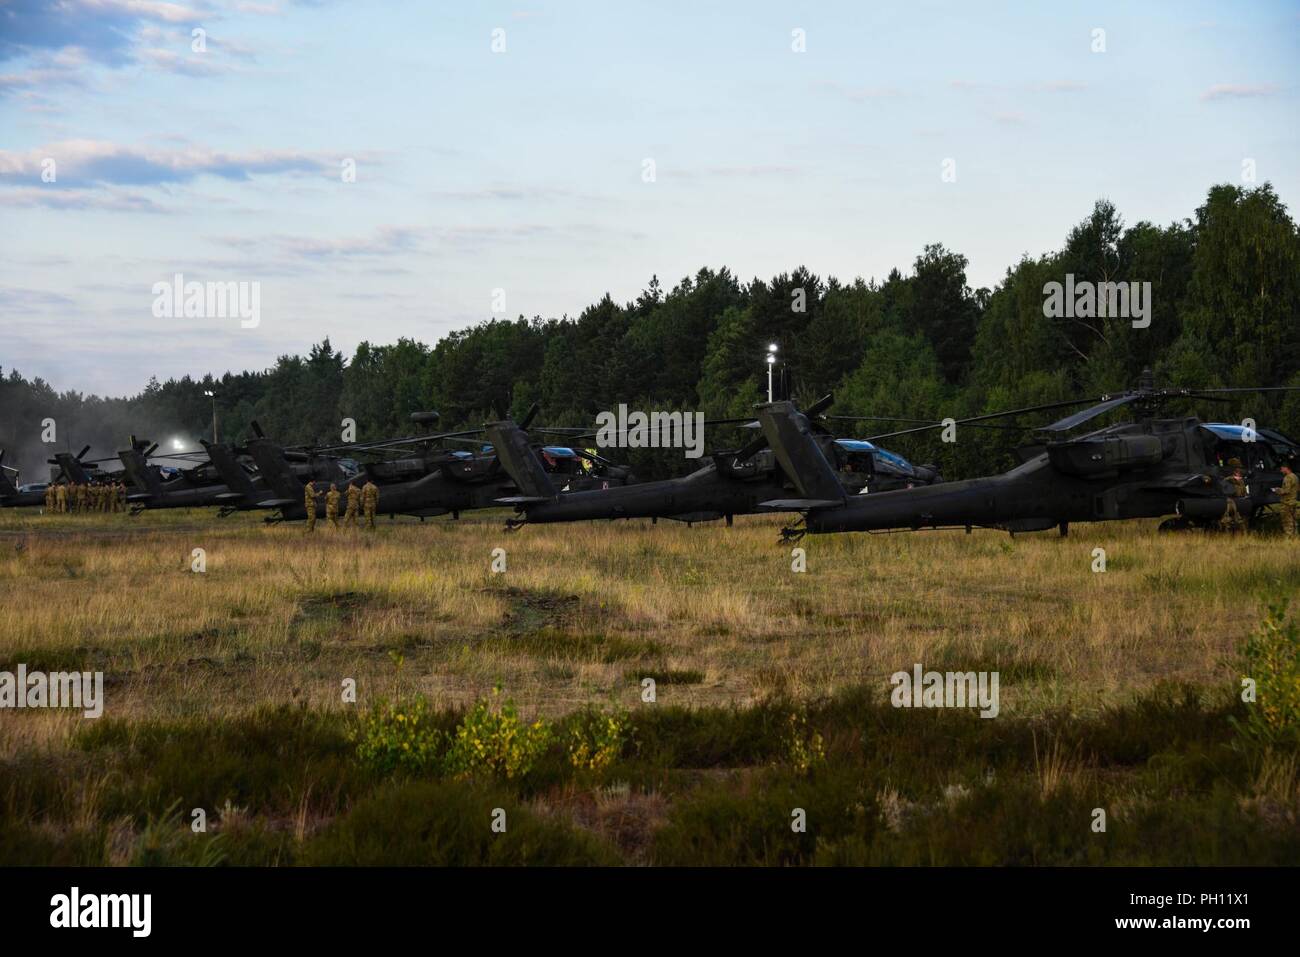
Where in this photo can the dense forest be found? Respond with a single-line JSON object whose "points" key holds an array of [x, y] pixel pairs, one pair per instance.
{"points": [[1225, 288]]}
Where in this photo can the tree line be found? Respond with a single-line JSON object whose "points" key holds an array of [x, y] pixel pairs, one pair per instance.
{"points": [[1225, 311]]}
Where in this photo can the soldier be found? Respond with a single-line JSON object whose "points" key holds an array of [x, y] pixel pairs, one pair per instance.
{"points": [[78, 498], [121, 496], [1287, 494], [354, 503], [1236, 488], [61, 499], [309, 502], [49, 498], [370, 501], [332, 505]]}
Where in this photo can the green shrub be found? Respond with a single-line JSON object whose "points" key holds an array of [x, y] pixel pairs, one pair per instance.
{"points": [[805, 749], [496, 741], [1271, 657], [595, 739], [400, 736]]}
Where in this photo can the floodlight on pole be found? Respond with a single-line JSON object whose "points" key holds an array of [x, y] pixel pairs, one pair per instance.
{"points": [[771, 361], [213, 396]]}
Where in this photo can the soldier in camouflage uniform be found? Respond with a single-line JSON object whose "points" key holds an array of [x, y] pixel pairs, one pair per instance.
{"points": [[1287, 494], [354, 504], [61, 499], [370, 502], [49, 498], [332, 505], [1236, 488], [309, 503]]}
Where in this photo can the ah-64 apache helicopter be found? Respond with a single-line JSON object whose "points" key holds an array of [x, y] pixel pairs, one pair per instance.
{"points": [[195, 485], [415, 477], [18, 496], [730, 484], [1152, 467]]}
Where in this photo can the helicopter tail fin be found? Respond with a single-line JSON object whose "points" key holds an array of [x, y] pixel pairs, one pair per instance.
{"points": [[137, 470], [71, 467], [516, 455], [791, 439], [275, 469], [228, 467], [7, 486]]}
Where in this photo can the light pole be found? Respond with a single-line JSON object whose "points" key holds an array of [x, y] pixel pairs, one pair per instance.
{"points": [[213, 396], [771, 361]]}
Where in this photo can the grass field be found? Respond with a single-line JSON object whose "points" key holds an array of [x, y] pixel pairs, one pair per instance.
{"points": [[224, 691]]}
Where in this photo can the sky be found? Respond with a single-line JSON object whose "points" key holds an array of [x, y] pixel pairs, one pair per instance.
{"points": [[527, 157]]}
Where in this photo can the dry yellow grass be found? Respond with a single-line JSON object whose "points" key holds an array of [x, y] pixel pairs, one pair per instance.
{"points": [[583, 610]]}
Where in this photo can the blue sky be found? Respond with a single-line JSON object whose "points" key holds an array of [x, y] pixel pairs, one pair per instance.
{"points": [[523, 170]]}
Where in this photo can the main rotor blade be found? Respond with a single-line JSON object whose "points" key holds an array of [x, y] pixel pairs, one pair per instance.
{"points": [[1207, 398], [1266, 388], [982, 418], [1101, 408], [390, 443]]}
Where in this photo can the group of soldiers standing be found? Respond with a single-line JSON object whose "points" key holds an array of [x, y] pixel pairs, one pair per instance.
{"points": [[1287, 493], [79, 498], [364, 498]]}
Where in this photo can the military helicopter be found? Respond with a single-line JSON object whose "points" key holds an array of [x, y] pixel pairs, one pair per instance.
{"points": [[18, 496], [156, 486], [1151, 467], [420, 480], [730, 484], [246, 488], [78, 470]]}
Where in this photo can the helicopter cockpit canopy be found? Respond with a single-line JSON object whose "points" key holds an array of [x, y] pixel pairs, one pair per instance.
{"points": [[1265, 449], [857, 455], [562, 460]]}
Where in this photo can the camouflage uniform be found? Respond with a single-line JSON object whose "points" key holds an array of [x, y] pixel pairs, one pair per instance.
{"points": [[61, 499], [354, 503], [1287, 494], [1232, 520], [49, 498], [78, 498], [332, 505], [370, 501], [309, 503]]}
